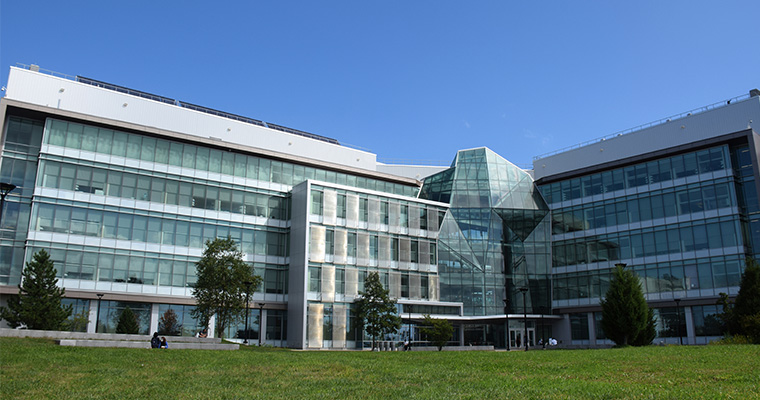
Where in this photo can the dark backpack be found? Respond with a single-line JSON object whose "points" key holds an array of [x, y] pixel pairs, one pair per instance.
{"points": [[155, 342]]}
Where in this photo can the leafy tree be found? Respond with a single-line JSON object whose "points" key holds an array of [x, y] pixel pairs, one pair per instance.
{"points": [[438, 331], [127, 322], [168, 325], [38, 304], [743, 316], [626, 318], [376, 310], [220, 289]]}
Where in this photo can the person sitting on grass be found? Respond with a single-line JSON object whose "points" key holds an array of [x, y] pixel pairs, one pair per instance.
{"points": [[164, 344], [155, 342]]}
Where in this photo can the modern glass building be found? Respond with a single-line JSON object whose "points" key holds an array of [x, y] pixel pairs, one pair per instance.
{"points": [[123, 188], [676, 201], [494, 245]]}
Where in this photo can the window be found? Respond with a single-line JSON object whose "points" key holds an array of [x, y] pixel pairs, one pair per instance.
{"points": [[314, 279], [317, 202]]}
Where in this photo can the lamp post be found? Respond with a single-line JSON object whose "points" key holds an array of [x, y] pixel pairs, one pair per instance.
{"points": [[506, 314], [247, 291], [261, 321], [410, 325], [97, 318], [5, 188], [678, 312], [525, 316], [543, 338]]}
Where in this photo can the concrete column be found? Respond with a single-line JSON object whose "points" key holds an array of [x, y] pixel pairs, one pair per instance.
{"points": [[691, 336], [461, 335], [211, 326], [263, 326], [562, 333], [591, 329], [153, 318], [92, 322]]}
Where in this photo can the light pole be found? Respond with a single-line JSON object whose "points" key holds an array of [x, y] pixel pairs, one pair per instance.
{"points": [[97, 318], [506, 315], [543, 338], [410, 325], [247, 290], [678, 312], [261, 321], [525, 316], [5, 188]]}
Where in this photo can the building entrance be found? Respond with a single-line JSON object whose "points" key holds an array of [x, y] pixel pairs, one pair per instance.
{"points": [[517, 338]]}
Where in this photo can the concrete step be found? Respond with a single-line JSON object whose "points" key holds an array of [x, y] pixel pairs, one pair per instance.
{"points": [[146, 344], [4, 332]]}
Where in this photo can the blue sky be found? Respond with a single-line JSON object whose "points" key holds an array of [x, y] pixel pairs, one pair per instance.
{"points": [[413, 80]]}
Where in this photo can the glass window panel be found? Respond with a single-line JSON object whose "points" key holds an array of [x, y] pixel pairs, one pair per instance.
{"points": [[113, 185], [175, 154], [202, 158], [57, 134], [147, 148], [240, 165], [215, 161], [228, 163], [188, 156], [90, 138], [105, 141], [74, 136], [134, 144], [161, 154]]}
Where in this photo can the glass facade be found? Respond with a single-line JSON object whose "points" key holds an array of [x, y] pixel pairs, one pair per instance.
{"points": [[679, 221], [127, 210], [21, 149], [186, 324], [684, 223], [177, 154], [495, 237], [110, 311]]}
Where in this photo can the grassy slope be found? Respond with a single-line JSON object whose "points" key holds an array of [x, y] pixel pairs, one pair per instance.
{"points": [[35, 368]]}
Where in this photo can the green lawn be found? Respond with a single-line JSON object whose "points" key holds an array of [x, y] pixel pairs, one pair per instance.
{"points": [[37, 368]]}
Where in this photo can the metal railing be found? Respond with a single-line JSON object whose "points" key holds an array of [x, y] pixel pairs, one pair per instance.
{"points": [[36, 68], [660, 121]]}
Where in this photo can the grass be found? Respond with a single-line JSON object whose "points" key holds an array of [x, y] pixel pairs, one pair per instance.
{"points": [[37, 368]]}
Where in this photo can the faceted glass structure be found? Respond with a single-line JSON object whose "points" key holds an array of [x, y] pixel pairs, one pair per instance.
{"points": [[495, 238]]}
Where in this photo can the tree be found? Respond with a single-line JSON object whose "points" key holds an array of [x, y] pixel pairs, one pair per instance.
{"points": [[626, 318], [127, 322], [376, 310], [220, 289], [743, 316], [168, 325], [645, 337], [38, 304], [438, 331]]}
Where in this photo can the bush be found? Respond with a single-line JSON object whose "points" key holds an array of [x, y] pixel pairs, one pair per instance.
{"points": [[736, 339]]}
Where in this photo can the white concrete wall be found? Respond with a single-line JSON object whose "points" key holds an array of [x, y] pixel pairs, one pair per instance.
{"points": [[50, 91], [715, 122], [418, 172]]}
